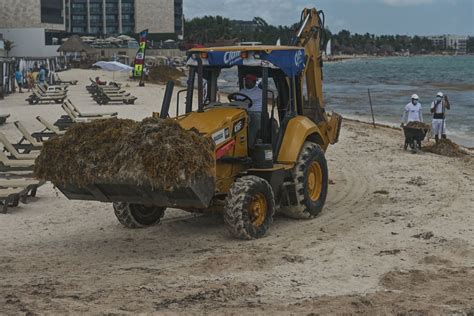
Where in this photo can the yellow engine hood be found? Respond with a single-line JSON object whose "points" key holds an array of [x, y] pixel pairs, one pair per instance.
{"points": [[211, 120]]}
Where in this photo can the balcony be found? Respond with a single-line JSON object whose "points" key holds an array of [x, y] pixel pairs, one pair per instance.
{"points": [[111, 8], [127, 8], [78, 8], [75, 24], [95, 10]]}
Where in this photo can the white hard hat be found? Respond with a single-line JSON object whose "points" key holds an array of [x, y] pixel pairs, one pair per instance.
{"points": [[415, 96], [440, 94]]}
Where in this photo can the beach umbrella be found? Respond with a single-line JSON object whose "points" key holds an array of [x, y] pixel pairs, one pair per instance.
{"points": [[125, 37], [113, 66], [88, 39], [112, 39]]}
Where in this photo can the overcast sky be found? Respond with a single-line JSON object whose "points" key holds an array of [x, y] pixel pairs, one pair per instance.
{"points": [[410, 17]]}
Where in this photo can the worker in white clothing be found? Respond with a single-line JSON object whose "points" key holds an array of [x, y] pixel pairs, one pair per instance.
{"points": [[413, 111], [438, 108], [252, 91]]}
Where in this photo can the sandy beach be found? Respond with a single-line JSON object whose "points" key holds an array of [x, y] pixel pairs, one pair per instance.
{"points": [[396, 237]]}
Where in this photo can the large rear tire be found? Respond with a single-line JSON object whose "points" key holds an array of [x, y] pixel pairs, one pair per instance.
{"points": [[310, 176], [138, 215], [249, 207]]}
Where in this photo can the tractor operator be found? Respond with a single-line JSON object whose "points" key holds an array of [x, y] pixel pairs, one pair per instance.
{"points": [[252, 90]]}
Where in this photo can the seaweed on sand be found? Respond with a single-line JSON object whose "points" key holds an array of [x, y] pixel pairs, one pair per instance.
{"points": [[445, 147], [419, 125]]}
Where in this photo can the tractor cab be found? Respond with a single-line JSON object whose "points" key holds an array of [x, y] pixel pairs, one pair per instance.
{"points": [[271, 98], [284, 91], [278, 70]]}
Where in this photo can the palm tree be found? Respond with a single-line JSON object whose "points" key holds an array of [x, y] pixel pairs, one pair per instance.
{"points": [[8, 46]]}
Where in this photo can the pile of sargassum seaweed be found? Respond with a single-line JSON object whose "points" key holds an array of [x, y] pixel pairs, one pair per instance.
{"points": [[154, 152]]}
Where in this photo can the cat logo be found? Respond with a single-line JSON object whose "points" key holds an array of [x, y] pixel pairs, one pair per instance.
{"points": [[239, 125]]}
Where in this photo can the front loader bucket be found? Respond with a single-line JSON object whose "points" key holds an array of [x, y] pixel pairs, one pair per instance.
{"points": [[197, 195]]}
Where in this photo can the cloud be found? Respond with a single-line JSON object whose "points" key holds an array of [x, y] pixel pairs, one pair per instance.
{"points": [[373, 16], [406, 3]]}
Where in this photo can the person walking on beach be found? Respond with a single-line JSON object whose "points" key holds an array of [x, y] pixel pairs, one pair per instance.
{"points": [[413, 111], [42, 76], [438, 108], [30, 80], [19, 79]]}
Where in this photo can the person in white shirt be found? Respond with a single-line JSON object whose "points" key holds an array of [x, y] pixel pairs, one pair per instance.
{"points": [[438, 108], [413, 111], [252, 90]]}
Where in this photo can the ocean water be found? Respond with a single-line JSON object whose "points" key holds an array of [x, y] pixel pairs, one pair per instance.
{"points": [[392, 81]]}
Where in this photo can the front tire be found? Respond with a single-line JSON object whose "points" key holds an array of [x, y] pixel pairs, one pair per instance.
{"points": [[138, 215], [249, 208], [310, 177]]}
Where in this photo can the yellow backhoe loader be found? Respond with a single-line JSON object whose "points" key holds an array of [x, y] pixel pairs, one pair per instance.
{"points": [[283, 169]]}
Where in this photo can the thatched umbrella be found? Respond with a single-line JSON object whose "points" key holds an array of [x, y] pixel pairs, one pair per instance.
{"points": [[75, 45]]}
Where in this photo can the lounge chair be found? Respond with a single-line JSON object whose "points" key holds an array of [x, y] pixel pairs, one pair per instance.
{"points": [[27, 136], [105, 98], [77, 119], [65, 121], [110, 84], [49, 127], [50, 92], [14, 190], [14, 152], [38, 96], [52, 89], [18, 183], [111, 91], [3, 118], [7, 164], [71, 117], [60, 81], [10, 198], [76, 111]]}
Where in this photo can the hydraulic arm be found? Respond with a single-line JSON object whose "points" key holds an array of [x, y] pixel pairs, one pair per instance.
{"points": [[311, 36]]}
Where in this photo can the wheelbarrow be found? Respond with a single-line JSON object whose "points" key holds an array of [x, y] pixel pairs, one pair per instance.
{"points": [[414, 136]]}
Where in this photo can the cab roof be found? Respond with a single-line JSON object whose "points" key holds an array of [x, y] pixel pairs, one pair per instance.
{"points": [[290, 59]]}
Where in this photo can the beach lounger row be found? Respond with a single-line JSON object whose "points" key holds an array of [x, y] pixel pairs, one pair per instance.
{"points": [[109, 94], [41, 95], [15, 185], [59, 81], [74, 115], [94, 85], [17, 182], [17, 160]]}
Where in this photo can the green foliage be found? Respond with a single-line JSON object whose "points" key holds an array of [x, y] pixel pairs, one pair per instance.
{"points": [[470, 45], [8, 46], [209, 29], [347, 43]]}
